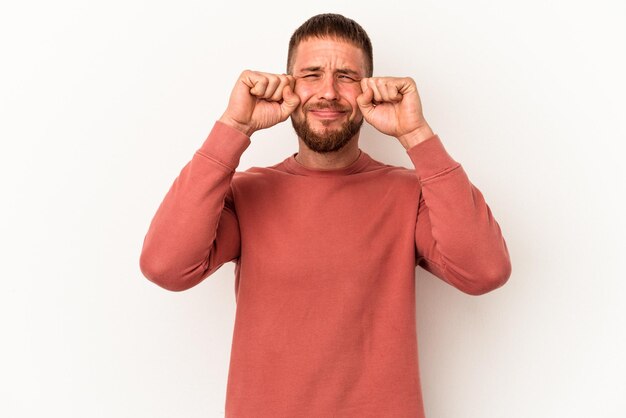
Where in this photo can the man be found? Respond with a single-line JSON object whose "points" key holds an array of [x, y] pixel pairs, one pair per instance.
{"points": [[327, 241]]}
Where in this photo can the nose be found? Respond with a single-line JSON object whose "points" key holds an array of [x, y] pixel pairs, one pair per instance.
{"points": [[328, 89]]}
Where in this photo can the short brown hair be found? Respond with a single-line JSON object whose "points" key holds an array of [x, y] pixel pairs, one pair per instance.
{"points": [[330, 25]]}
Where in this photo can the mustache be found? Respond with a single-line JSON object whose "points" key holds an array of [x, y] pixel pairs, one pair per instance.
{"points": [[326, 105]]}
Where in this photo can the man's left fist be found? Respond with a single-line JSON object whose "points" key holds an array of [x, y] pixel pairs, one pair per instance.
{"points": [[392, 105]]}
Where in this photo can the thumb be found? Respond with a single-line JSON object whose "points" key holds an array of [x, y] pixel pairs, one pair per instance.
{"points": [[365, 99], [290, 101]]}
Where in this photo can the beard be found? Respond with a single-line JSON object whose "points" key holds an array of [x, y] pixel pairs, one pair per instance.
{"points": [[328, 140]]}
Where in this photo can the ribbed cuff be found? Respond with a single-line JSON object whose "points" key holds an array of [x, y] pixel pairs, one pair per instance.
{"points": [[430, 158], [225, 145]]}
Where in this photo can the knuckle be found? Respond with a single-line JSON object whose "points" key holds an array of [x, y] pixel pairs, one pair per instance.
{"points": [[253, 75]]}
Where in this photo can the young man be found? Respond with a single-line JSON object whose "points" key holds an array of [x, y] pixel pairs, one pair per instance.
{"points": [[327, 241]]}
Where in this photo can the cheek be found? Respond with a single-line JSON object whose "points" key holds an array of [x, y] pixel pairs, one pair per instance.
{"points": [[303, 92], [350, 96], [350, 93]]}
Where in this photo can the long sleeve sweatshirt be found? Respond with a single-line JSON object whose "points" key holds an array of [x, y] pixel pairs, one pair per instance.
{"points": [[325, 270]]}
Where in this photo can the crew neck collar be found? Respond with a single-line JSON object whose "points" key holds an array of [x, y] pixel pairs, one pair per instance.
{"points": [[358, 165]]}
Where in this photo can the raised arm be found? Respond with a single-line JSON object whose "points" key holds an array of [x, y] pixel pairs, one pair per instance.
{"points": [[195, 230], [456, 237]]}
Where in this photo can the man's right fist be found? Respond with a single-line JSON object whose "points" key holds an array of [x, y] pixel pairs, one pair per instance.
{"points": [[260, 100]]}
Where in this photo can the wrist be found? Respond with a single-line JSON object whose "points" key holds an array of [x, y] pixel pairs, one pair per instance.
{"points": [[416, 136], [245, 129]]}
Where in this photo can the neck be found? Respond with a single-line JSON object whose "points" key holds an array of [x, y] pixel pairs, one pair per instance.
{"points": [[329, 160]]}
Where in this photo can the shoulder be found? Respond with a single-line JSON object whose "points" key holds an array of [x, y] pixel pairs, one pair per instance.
{"points": [[392, 172], [258, 175]]}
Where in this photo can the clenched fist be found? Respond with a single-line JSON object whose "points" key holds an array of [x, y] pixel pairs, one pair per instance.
{"points": [[392, 105], [260, 100]]}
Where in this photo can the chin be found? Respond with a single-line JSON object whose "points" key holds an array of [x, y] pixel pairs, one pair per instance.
{"points": [[324, 137]]}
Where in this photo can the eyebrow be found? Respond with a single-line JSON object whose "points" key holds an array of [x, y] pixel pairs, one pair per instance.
{"points": [[340, 70]]}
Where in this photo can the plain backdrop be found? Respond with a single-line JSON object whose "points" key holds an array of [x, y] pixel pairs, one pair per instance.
{"points": [[103, 103]]}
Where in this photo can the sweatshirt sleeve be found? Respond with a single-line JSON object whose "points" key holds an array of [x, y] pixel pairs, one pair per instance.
{"points": [[195, 229], [457, 238]]}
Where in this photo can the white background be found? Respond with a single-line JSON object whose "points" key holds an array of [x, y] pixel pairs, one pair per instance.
{"points": [[103, 103]]}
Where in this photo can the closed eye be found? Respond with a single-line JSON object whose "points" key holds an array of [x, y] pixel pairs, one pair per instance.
{"points": [[347, 78]]}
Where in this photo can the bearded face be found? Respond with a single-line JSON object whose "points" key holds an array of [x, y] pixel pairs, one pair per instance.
{"points": [[328, 137], [328, 73]]}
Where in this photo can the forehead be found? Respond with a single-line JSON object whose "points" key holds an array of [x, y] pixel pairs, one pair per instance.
{"points": [[329, 54]]}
